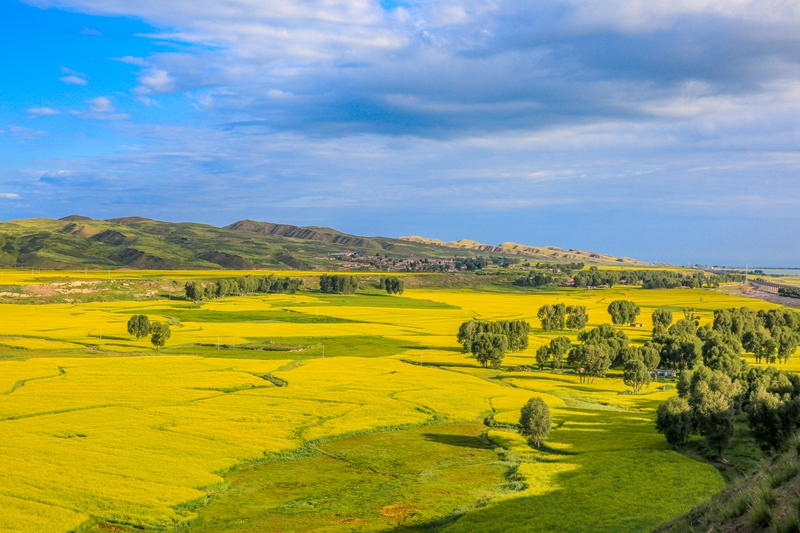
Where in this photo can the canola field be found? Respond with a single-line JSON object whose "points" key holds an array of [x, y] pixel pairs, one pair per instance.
{"points": [[101, 429]]}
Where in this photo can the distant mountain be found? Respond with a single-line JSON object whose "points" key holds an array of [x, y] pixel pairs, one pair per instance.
{"points": [[136, 242], [548, 253]]}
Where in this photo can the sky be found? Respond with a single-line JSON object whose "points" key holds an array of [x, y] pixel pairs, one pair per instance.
{"points": [[663, 131]]}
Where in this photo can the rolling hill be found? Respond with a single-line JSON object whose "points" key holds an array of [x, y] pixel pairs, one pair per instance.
{"points": [[141, 243]]}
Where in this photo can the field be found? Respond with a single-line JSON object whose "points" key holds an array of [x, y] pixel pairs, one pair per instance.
{"points": [[326, 413]]}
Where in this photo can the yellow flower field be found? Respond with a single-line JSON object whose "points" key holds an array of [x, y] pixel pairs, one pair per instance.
{"points": [[100, 427]]}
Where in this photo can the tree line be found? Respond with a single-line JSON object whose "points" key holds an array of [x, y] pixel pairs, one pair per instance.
{"points": [[716, 383], [197, 291], [489, 341], [555, 317], [338, 284], [393, 284], [792, 292], [649, 279], [140, 326]]}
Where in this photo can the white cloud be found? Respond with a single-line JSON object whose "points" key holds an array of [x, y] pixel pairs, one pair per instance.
{"points": [[101, 108], [9, 196], [73, 80], [100, 105], [131, 60], [155, 81], [25, 134], [73, 77], [91, 31], [41, 111]]}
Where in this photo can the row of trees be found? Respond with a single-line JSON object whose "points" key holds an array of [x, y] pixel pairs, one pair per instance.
{"points": [[393, 284], [722, 384], [338, 284], [709, 400], [792, 292], [651, 279], [557, 317], [140, 326], [623, 312], [489, 341], [198, 291], [559, 274]]}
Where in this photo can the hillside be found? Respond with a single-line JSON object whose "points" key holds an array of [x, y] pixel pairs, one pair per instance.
{"points": [[549, 253], [765, 500], [141, 243]]}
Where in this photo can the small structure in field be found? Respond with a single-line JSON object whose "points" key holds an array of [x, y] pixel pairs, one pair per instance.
{"points": [[637, 325], [659, 373]]}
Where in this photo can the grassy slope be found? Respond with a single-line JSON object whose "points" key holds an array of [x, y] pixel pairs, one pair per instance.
{"points": [[766, 500], [149, 244]]}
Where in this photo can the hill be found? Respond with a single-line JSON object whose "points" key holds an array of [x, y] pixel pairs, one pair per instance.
{"points": [[548, 253], [141, 243]]}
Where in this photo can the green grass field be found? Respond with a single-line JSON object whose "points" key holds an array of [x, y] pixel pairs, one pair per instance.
{"points": [[240, 424]]}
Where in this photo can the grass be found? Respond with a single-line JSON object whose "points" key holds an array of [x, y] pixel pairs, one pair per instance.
{"points": [[372, 482], [100, 428]]}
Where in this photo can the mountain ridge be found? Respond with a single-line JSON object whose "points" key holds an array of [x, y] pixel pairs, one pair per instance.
{"points": [[137, 242]]}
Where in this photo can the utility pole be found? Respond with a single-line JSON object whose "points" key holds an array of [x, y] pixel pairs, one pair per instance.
{"points": [[323, 351]]}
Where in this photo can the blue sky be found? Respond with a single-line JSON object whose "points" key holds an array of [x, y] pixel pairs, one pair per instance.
{"points": [[661, 131]]}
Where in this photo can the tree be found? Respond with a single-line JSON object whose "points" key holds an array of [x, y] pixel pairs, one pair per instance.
{"points": [[542, 355], [636, 375], [788, 341], [590, 360], [194, 290], [466, 334], [607, 336], [559, 347], [662, 317], [552, 317], [714, 416], [338, 284], [159, 334], [597, 362], [489, 349], [393, 284], [139, 326], [576, 317], [623, 311], [681, 352], [650, 356], [675, 420], [535, 421]]}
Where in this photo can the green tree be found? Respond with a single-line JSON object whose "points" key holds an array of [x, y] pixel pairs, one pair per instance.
{"points": [[662, 317], [607, 336], [542, 355], [714, 415], [548, 317], [636, 375], [623, 312], [466, 334], [675, 420], [393, 284], [650, 356], [159, 334], [787, 341], [535, 421], [489, 349], [559, 346], [576, 317], [194, 291], [139, 326]]}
